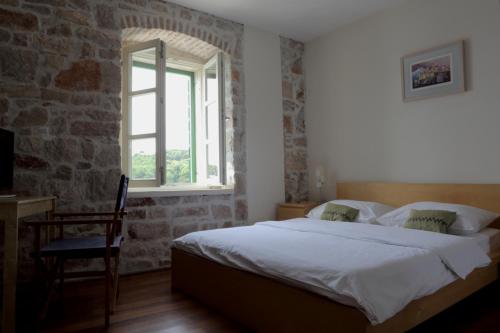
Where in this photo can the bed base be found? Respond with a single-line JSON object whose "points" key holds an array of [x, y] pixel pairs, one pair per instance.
{"points": [[266, 305]]}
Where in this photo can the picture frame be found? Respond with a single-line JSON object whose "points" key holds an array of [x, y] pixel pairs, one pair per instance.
{"points": [[434, 72]]}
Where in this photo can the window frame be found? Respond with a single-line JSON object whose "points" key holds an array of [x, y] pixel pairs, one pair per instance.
{"points": [[193, 151], [218, 60], [197, 76], [127, 94]]}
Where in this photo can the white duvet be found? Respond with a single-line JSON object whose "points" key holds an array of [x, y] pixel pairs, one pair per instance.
{"points": [[377, 269]]}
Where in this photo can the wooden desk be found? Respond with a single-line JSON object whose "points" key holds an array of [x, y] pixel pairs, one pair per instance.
{"points": [[11, 210]]}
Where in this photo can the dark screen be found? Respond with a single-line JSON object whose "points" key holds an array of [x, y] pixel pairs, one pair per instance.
{"points": [[6, 159]]}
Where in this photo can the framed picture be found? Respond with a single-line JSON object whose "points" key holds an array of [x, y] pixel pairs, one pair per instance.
{"points": [[435, 72]]}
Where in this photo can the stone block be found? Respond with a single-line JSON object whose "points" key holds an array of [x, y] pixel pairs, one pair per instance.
{"points": [[18, 20], [138, 265], [111, 78], [20, 39], [186, 14], [205, 20], [216, 198], [85, 99], [147, 230], [61, 150], [34, 117], [80, 4], [220, 212], [64, 172], [82, 75], [183, 229], [100, 38], [190, 199], [4, 35], [95, 129], [157, 213], [60, 29], [108, 155], [105, 17], [209, 226], [109, 54], [240, 185], [20, 65], [31, 162], [133, 249], [83, 165], [241, 210], [136, 214], [288, 124], [58, 126], [296, 160], [140, 202], [54, 96], [297, 67], [167, 201], [42, 10], [197, 211], [87, 148], [74, 16]]}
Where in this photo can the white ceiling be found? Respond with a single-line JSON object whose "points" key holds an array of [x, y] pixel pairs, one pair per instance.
{"points": [[298, 19]]}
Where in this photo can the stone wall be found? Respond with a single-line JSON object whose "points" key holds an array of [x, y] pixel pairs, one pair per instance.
{"points": [[60, 86], [296, 175], [154, 222]]}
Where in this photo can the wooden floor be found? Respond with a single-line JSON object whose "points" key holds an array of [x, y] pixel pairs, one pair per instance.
{"points": [[147, 304]]}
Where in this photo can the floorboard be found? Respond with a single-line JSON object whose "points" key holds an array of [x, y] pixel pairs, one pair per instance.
{"points": [[147, 304]]}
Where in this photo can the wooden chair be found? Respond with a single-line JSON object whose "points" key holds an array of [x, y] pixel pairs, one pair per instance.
{"points": [[50, 257]]}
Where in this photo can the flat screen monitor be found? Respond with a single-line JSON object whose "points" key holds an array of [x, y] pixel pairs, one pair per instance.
{"points": [[6, 160]]}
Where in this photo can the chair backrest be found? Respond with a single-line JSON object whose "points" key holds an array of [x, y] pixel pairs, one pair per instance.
{"points": [[121, 199]]}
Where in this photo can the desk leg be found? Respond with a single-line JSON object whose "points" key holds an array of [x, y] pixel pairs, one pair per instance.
{"points": [[10, 275]]}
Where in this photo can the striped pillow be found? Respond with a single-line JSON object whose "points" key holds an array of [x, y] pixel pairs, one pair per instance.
{"points": [[334, 212], [430, 220]]}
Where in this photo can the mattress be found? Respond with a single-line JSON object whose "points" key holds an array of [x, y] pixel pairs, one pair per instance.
{"points": [[374, 268]]}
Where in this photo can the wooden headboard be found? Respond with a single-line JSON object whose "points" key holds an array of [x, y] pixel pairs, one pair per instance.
{"points": [[486, 196]]}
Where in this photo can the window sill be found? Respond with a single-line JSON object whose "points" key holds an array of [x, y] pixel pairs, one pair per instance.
{"points": [[154, 192]]}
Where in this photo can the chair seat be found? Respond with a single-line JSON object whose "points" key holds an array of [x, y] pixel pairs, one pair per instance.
{"points": [[84, 247]]}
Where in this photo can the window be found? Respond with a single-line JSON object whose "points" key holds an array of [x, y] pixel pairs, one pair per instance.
{"points": [[173, 128]]}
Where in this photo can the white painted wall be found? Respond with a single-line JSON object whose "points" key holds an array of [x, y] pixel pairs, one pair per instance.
{"points": [[357, 124], [265, 156]]}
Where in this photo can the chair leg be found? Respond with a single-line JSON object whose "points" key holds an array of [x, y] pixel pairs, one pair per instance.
{"points": [[49, 276], [116, 277], [61, 279], [106, 300]]}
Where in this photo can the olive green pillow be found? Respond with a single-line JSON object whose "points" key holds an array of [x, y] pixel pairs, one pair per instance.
{"points": [[334, 212], [430, 220]]}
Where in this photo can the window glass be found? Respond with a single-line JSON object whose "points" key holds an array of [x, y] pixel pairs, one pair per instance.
{"points": [[178, 127], [213, 142], [143, 70], [211, 84], [143, 158], [143, 113], [212, 123]]}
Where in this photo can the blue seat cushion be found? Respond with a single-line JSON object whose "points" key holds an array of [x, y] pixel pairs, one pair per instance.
{"points": [[83, 247]]}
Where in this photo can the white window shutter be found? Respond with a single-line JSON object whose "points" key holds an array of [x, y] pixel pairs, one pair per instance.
{"points": [[151, 53]]}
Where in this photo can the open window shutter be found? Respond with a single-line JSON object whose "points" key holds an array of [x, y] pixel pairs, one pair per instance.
{"points": [[213, 154], [143, 105]]}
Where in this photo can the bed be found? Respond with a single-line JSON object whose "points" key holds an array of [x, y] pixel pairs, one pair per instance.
{"points": [[267, 303]]}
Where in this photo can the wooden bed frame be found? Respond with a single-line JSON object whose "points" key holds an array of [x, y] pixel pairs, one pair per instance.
{"points": [[267, 305]]}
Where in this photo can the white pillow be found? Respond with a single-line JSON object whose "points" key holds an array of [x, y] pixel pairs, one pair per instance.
{"points": [[368, 211], [469, 219]]}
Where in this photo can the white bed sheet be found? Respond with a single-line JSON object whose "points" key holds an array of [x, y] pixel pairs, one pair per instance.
{"points": [[377, 269], [488, 239]]}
